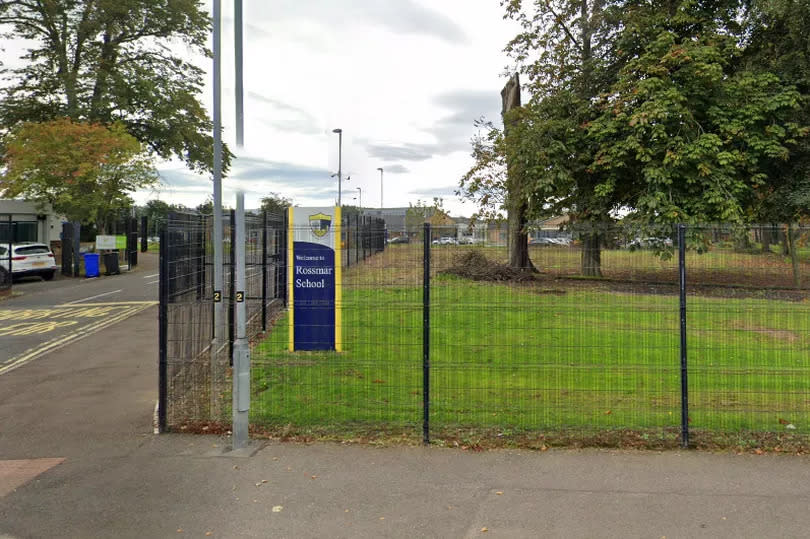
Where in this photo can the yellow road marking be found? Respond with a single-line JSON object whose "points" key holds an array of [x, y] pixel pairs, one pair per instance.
{"points": [[62, 340], [32, 328]]}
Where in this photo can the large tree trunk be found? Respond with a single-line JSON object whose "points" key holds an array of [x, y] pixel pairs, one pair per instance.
{"points": [[592, 254], [519, 238], [792, 237], [783, 237], [766, 233], [516, 203]]}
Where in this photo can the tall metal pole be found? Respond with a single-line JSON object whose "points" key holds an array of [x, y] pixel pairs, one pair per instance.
{"points": [[360, 198], [241, 349], [216, 239], [240, 91], [381, 186], [340, 162]]}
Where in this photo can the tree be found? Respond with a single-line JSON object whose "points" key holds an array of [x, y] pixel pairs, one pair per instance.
{"points": [[109, 61], [275, 203], [84, 171], [696, 132], [644, 107], [564, 48], [778, 43]]}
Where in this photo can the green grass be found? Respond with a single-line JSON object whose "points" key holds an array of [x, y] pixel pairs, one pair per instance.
{"points": [[522, 358]]}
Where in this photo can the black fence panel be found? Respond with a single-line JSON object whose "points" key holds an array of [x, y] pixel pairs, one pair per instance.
{"points": [[196, 384], [6, 238]]}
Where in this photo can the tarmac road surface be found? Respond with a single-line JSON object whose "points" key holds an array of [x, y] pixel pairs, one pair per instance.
{"points": [[43, 316]]}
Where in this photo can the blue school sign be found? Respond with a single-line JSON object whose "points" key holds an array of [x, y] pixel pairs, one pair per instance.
{"points": [[314, 279]]}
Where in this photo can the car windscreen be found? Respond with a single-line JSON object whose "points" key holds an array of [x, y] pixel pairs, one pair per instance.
{"points": [[32, 250]]}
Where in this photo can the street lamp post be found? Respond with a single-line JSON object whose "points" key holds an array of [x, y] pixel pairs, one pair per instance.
{"points": [[360, 190], [340, 162], [381, 186]]}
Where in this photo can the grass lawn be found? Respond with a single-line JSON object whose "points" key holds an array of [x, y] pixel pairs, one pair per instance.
{"points": [[540, 357]]}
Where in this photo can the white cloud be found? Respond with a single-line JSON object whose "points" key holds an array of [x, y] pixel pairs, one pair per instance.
{"points": [[404, 79]]}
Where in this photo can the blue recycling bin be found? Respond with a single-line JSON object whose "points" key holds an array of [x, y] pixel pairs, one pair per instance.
{"points": [[91, 264]]}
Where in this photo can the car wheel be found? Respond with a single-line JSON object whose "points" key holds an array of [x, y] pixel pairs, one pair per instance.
{"points": [[48, 275]]}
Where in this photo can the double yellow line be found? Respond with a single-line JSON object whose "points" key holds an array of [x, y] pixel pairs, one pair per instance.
{"points": [[62, 340]]}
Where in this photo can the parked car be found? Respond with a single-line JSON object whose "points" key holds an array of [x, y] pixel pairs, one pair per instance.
{"points": [[550, 241], [469, 240], [543, 241], [398, 239], [445, 240], [649, 243], [29, 259]]}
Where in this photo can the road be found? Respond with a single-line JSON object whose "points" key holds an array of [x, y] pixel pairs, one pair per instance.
{"points": [[45, 316]]}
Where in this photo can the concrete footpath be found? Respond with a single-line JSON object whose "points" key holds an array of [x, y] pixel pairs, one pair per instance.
{"points": [[78, 459]]}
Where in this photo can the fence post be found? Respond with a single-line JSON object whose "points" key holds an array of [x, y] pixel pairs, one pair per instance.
{"points": [[357, 238], [264, 270], [426, 339], [144, 234], [348, 245], [684, 378], [284, 238], [163, 328]]}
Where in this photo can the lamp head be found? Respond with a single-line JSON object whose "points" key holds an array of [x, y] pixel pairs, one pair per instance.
{"points": [[380, 169], [338, 130]]}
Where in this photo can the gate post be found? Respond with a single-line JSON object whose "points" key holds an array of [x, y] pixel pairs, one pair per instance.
{"points": [[163, 329]]}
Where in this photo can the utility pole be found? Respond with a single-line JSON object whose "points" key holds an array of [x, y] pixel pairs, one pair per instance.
{"points": [[219, 310], [340, 162], [241, 348], [360, 201], [381, 186], [238, 60]]}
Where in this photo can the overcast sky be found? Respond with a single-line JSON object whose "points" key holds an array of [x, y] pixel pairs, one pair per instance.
{"points": [[404, 79]]}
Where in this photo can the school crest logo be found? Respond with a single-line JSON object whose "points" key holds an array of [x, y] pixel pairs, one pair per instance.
{"points": [[320, 223]]}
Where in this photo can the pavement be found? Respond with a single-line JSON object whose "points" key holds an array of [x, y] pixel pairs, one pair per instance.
{"points": [[78, 458]]}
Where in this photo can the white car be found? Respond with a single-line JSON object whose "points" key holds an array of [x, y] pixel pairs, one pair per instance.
{"points": [[445, 240], [28, 259]]}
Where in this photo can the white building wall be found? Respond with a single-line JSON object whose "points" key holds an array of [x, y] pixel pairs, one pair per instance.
{"points": [[48, 230]]}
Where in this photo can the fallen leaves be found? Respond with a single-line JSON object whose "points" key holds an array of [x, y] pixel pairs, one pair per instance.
{"points": [[277, 508], [484, 529]]}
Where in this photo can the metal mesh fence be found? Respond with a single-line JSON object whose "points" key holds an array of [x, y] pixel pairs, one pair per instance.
{"points": [[748, 329], [515, 352], [194, 372], [375, 379], [593, 346]]}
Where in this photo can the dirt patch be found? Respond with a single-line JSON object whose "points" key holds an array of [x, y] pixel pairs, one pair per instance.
{"points": [[778, 334], [483, 439], [474, 265]]}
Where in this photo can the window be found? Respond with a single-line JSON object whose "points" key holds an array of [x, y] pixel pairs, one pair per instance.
{"points": [[32, 250], [20, 231]]}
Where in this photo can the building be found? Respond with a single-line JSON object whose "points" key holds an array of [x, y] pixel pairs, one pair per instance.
{"points": [[21, 221]]}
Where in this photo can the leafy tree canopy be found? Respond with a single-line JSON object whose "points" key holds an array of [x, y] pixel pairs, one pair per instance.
{"points": [[85, 171], [112, 61], [275, 203]]}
